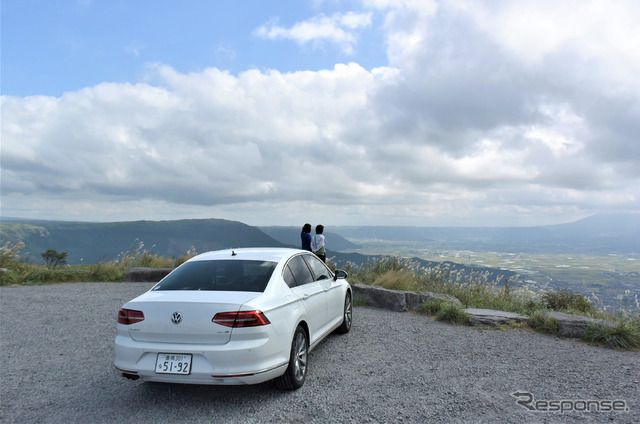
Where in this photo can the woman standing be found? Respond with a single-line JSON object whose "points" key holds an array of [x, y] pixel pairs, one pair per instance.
{"points": [[318, 243], [305, 236]]}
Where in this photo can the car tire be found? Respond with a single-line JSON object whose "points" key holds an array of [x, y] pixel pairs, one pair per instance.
{"points": [[347, 318], [293, 378]]}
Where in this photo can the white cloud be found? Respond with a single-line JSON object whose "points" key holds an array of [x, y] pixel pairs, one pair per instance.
{"points": [[474, 121], [338, 28], [225, 53], [134, 48]]}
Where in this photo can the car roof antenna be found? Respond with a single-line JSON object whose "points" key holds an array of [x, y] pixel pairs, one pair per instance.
{"points": [[233, 253]]}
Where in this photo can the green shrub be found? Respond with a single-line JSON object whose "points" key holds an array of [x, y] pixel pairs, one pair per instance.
{"points": [[431, 307], [26, 274], [473, 289], [395, 280], [624, 334], [184, 258], [369, 272], [566, 300], [9, 254], [476, 290], [11, 277], [542, 323], [15, 266], [531, 306], [107, 271], [19, 272], [141, 257], [54, 259], [453, 314]]}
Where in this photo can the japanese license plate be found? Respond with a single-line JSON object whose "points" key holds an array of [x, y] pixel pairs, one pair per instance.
{"points": [[173, 363]]}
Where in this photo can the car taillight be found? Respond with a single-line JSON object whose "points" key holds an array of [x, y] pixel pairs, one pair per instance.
{"points": [[241, 319], [129, 316]]}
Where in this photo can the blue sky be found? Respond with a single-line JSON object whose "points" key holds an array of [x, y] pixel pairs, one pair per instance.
{"points": [[51, 47], [369, 112]]}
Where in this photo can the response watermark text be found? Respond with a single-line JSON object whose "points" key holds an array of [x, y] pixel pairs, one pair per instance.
{"points": [[527, 401]]}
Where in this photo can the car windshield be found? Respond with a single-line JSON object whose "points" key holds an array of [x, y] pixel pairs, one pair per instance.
{"points": [[219, 275]]}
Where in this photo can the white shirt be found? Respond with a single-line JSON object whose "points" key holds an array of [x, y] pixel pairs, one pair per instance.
{"points": [[317, 242]]}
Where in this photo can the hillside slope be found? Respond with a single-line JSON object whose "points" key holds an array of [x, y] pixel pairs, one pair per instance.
{"points": [[91, 242]]}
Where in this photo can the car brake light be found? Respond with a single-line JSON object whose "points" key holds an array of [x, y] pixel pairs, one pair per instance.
{"points": [[241, 319], [129, 316]]}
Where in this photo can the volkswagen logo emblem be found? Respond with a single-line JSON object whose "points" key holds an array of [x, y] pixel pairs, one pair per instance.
{"points": [[176, 318]]}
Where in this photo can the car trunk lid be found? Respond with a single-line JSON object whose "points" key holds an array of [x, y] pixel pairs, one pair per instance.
{"points": [[185, 316]]}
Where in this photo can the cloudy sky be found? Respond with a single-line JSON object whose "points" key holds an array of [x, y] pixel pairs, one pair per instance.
{"points": [[341, 112]]}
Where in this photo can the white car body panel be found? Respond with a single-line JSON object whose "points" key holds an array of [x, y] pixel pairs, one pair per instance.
{"points": [[197, 308], [313, 300], [221, 354]]}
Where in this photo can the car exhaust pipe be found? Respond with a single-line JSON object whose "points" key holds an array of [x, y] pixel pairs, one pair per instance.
{"points": [[130, 376]]}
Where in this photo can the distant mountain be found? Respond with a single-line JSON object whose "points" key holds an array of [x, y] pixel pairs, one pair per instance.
{"points": [[91, 242], [618, 233], [615, 224], [291, 236]]}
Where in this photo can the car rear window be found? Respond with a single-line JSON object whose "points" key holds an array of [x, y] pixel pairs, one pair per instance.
{"points": [[219, 275]]}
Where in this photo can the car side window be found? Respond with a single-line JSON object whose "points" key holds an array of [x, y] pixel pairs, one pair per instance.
{"points": [[300, 271], [288, 277], [319, 269]]}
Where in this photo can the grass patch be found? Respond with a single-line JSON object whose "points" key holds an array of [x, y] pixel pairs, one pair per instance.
{"points": [[474, 290], [33, 275], [511, 325], [20, 272], [543, 324], [444, 311], [431, 307], [568, 301], [623, 335], [141, 257], [395, 280], [107, 271], [452, 314]]}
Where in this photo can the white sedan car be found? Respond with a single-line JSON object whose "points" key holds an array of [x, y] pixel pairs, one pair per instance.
{"points": [[240, 316]]}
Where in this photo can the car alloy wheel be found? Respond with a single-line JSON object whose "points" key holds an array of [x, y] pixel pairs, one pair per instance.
{"points": [[300, 360], [296, 372], [348, 315]]}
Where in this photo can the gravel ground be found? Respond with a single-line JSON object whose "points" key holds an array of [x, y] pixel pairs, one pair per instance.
{"points": [[57, 350]]}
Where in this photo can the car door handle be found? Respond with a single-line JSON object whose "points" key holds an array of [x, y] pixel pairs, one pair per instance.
{"points": [[305, 297]]}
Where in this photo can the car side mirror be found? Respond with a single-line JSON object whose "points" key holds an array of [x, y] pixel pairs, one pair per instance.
{"points": [[340, 274]]}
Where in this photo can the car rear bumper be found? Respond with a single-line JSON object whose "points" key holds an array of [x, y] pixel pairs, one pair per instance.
{"points": [[240, 362]]}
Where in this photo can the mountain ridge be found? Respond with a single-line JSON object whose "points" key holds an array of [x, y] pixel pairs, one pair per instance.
{"points": [[602, 233], [90, 242], [93, 242]]}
